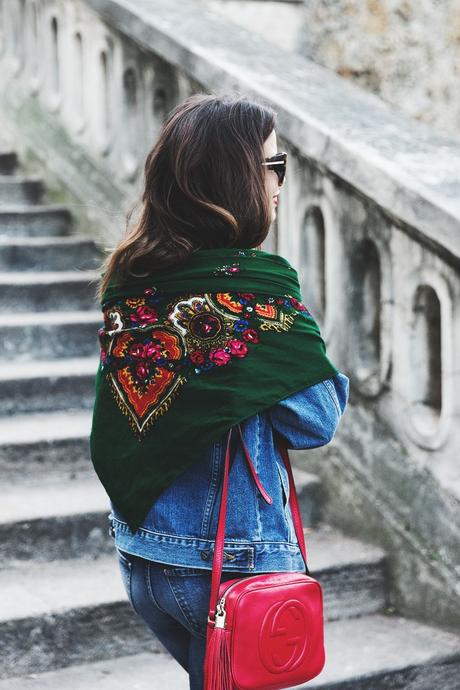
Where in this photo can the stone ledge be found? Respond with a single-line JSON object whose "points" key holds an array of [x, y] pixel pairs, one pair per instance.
{"points": [[374, 649], [401, 164]]}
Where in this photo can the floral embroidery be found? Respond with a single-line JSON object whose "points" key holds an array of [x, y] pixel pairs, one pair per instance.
{"points": [[150, 345]]}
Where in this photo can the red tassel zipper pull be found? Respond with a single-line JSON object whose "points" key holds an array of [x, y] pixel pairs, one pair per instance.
{"points": [[217, 672]]}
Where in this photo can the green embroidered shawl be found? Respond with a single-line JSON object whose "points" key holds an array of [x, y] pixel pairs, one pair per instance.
{"points": [[187, 353]]}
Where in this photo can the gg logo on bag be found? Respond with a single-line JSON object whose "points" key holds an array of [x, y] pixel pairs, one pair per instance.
{"points": [[279, 651]]}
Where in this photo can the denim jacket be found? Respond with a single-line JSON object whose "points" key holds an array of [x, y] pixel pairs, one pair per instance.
{"points": [[181, 525]]}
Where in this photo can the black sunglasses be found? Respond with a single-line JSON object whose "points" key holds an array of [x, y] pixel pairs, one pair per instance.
{"points": [[278, 164]]}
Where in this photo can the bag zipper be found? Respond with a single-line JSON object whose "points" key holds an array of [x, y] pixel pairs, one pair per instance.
{"points": [[220, 608]]}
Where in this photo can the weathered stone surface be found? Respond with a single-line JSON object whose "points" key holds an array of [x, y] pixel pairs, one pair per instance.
{"points": [[406, 52], [51, 334], [47, 291], [149, 671], [50, 444], [47, 385], [34, 221], [8, 162], [21, 190], [378, 652], [48, 253]]}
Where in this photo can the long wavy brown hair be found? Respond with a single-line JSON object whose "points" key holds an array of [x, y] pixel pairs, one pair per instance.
{"points": [[204, 187]]}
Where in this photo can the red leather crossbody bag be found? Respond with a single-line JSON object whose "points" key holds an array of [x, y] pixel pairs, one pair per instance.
{"points": [[266, 631]]}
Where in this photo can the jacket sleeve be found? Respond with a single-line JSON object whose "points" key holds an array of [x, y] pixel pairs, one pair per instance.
{"points": [[310, 417]]}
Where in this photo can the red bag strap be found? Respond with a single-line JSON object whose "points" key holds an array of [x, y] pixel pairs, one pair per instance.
{"points": [[220, 534]]}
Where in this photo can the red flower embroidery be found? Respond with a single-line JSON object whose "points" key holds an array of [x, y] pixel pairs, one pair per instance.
{"points": [[219, 357], [144, 315], [238, 348], [251, 335], [297, 305], [248, 295], [142, 370], [197, 357], [136, 350], [152, 350], [140, 351]]}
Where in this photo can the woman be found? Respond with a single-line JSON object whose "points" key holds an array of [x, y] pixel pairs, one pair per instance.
{"points": [[203, 330]]}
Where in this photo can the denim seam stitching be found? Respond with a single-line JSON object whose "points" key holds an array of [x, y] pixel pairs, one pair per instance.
{"points": [[150, 590], [129, 565], [130, 591], [185, 608], [184, 570], [332, 395], [212, 491], [256, 458], [123, 557], [232, 543]]}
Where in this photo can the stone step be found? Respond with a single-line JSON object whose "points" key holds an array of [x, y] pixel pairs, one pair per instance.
{"points": [[21, 189], [59, 518], [136, 672], [33, 221], [8, 161], [47, 385], [48, 291], [44, 444], [51, 444], [351, 572], [375, 652], [66, 612], [48, 254], [46, 335]]}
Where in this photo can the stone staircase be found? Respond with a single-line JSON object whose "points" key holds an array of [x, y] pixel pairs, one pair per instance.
{"points": [[65, 621]]}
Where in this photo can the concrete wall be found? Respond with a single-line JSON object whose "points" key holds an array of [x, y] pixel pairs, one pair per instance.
{"points": [[406, 51]]}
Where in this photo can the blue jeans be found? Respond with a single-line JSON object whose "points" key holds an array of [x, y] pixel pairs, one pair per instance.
{"points": [[174, 603]]}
